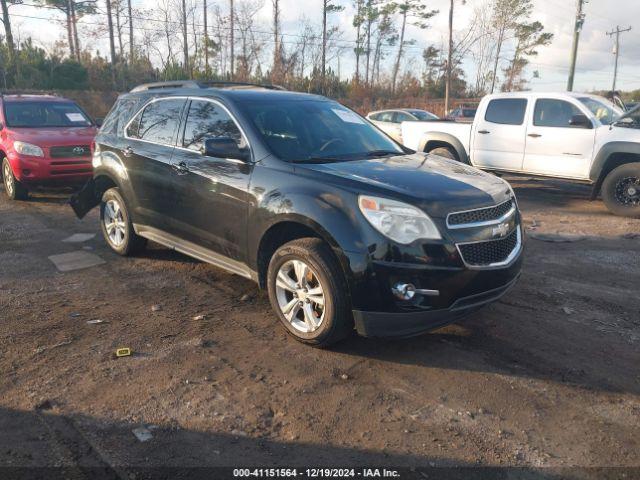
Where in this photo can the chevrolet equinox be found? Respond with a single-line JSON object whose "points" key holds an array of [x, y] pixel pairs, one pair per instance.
{"points": [[345, 228]]}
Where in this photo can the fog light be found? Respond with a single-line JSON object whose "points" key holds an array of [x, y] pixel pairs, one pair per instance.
{"points": [[404, 291]]}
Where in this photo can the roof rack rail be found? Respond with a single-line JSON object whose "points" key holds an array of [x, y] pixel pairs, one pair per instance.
{"points": [[197, 84]]}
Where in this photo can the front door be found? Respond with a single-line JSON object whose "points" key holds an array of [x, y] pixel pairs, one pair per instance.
{"points": [[146, 151], [555, 147], [212, 193], [499, 136]]}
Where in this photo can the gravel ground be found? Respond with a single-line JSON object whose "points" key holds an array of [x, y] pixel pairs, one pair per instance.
{"points": [[547, 377]]}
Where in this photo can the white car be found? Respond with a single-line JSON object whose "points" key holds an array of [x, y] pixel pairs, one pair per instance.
{"points": [[572, 136], [389, 121]]}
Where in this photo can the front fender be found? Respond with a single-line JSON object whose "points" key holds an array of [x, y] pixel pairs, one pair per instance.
{"points": [[442, 137], [600, 160]]}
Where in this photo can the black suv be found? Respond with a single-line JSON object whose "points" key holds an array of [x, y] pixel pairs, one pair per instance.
{"points": [[344, 227]]}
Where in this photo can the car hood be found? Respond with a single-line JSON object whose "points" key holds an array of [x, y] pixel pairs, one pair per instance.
{"points": [[49, 137], [437, 185]]}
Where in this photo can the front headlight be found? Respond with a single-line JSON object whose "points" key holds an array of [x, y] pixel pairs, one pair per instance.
{"points": [[24, 148], [399, 221]]}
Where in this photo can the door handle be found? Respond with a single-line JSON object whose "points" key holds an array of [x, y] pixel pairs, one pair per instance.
{"points": [[181, 168], [534, 135], [127, 151], [484, 132]]}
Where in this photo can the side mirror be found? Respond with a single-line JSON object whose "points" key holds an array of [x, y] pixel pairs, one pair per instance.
{"points": [[223, 147], [98, 122], [580, 121]]}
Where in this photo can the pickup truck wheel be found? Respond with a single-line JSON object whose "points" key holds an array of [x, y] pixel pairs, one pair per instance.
{"points": [[445, 152], [14, 189], [116, 224], [621, 190], [308, 292]]}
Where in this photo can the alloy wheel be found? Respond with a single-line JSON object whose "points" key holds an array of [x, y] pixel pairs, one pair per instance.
{"points": [[8, 179], [114, 223], [628, 191], [300, 296]]}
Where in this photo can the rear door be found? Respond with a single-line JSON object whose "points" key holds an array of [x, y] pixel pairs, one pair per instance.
{"points": [[212, 194], [555, 147], [499, 135], [149, 143]]}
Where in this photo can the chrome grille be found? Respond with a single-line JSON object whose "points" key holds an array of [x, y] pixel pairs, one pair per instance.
{"points": [[492, 252], [70, 151], [480, 216]]}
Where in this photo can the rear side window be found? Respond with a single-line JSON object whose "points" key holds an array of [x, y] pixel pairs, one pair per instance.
{"points": [[119, 115], [208, 120], [506, 111], [403, 117], [385, 117], [158, 122], [550, 112]]}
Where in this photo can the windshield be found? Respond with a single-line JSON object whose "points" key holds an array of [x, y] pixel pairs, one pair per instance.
{"points": [[422, 115], [44, 114], [604, 111], [312, 130]]}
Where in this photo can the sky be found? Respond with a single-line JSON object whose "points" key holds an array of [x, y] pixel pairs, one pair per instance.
{"points": [[594, 70]]}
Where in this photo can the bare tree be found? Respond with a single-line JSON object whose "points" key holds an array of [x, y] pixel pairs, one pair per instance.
{"points": [[131, 38], [185, 42], [276, 69], [231, 37], [415, 13], [327, 7]]}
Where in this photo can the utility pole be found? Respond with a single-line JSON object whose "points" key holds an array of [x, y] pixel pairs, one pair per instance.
{"points": [[447, 85], [232, 16], [617, 33], [206, 42], [576, 38]]}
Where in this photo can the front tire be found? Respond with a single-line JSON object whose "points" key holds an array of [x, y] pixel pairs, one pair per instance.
{"points": [[446, 152], [116, 224], [13, 188], [308, 292], [621, 190]]}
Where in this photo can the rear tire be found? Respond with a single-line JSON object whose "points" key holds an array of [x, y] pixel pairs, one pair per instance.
{"points": [[446, 152], [621, 190], [308, 292], [116, 225], [12, 187]]}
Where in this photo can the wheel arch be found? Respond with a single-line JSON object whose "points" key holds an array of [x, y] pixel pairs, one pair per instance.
{"points": [[434, 140], [287, 229], [611, 156]]}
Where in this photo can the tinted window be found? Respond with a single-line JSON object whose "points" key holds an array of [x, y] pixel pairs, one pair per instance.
{"points": [[119, 115], [507, 111], [554, 113], [423, 116], [158, 122], [208, 120], [313, 130], [386, 117], [403, 117], [38, 114]]}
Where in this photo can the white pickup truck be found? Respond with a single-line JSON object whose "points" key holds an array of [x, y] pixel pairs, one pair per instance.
{"points": [[572, 136]]}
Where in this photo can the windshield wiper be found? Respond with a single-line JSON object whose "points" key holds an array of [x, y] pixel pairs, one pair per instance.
{"points": [[381, 153], [318, 160]]}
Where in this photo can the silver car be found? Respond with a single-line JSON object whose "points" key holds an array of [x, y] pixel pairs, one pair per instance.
{"points": [[389, 121]]}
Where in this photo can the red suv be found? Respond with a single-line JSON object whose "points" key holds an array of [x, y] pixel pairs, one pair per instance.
{"points": [[44, 140]]}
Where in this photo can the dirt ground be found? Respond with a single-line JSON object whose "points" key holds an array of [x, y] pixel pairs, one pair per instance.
{"points": [[548, 377]]}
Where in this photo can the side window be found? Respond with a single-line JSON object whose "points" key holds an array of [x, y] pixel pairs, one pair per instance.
{"points": [[119, 115], [403, 117], [158, 122], [506, 111], [209, 120], [554, 113], [375, 117], [386, 117]]}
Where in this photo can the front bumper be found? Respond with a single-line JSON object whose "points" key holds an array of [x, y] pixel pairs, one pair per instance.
{"points": [[407, 324], [51, 171]]}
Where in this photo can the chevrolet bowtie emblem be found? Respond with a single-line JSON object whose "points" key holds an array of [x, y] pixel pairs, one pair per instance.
{"points": [[501, 230]]}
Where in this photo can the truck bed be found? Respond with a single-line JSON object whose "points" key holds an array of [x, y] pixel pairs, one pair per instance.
{"points": [[413, 132]]}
